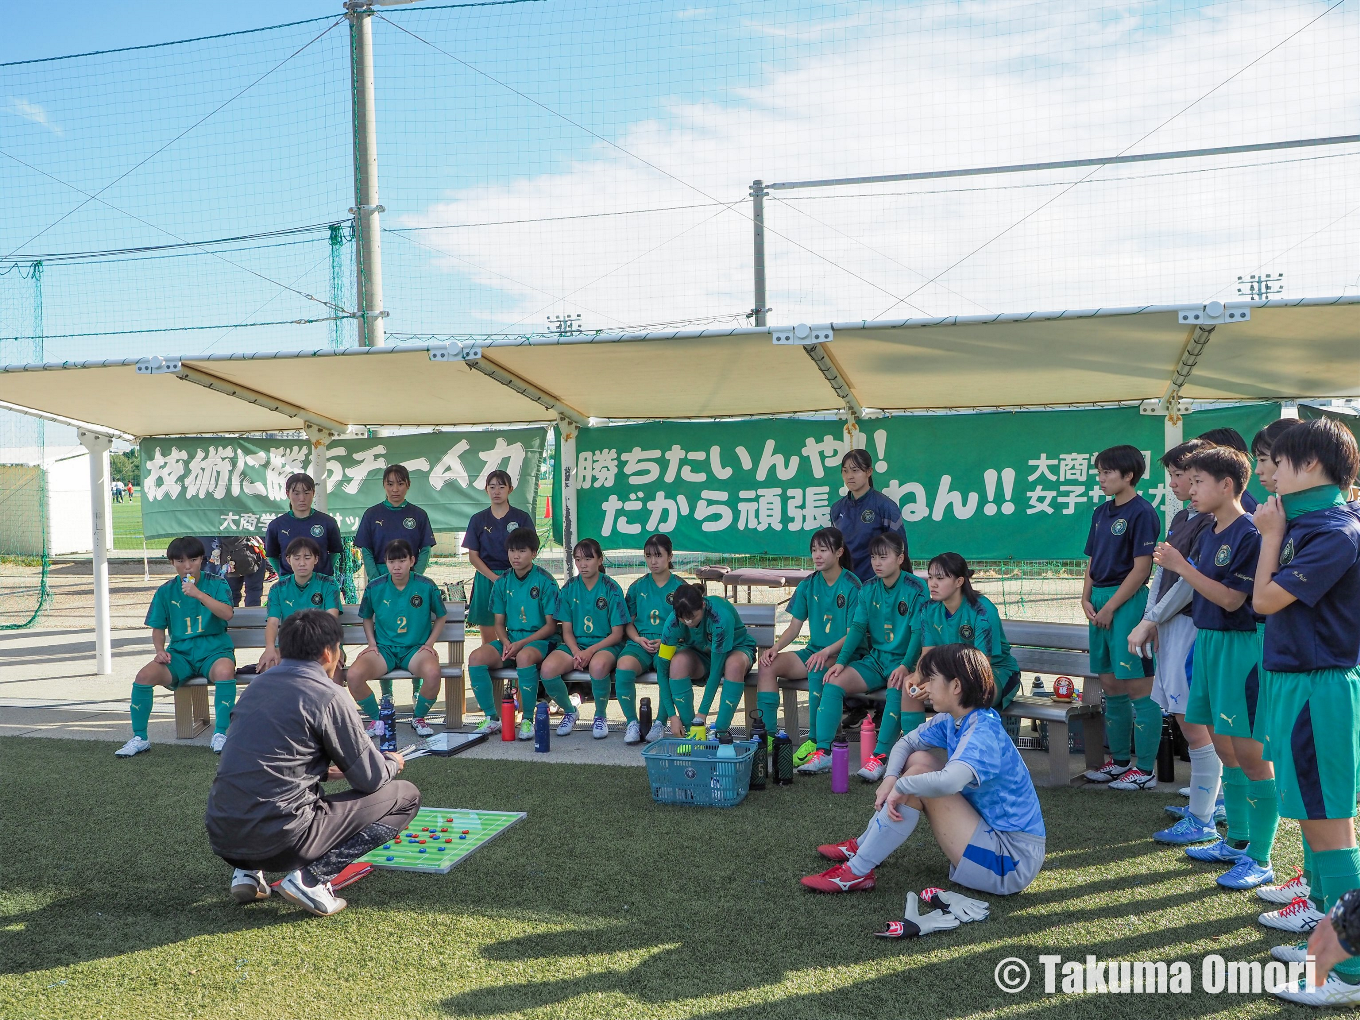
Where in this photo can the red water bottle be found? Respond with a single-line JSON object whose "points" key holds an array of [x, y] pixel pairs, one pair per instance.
{"points": [[508, 713], [868, 740]]}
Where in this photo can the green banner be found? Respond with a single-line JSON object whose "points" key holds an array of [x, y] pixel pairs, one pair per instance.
{"points": [[1006, 485], [210, 485]]}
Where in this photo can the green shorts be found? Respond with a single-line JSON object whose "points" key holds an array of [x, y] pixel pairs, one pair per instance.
{"points": [[612, 649], [1110, 648], [197, 658], [646, 660], [806, 653], [875, 668], [705, 663], [1313, 733], [1258, 726], [1007, 687], [544, 646], [479, 612], [398, 658], [1225, 682]]}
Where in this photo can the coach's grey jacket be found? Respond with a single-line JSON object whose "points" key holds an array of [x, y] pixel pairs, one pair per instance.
{"points": [[288, 727]]}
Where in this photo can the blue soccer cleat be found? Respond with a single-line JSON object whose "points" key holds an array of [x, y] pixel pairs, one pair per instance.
{"points": [[1187, 831], [1182, 811], [1246, 874], [1215, 853]]}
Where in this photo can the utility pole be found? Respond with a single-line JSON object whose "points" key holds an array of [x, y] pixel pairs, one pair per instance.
{"points": [[367, 232], [758, 193], [1260, 288]]}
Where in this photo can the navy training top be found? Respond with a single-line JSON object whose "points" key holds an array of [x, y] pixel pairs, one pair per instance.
{"points": [[859, 520], [1228, 557], [383, 523], [1120, 534], [486, 535], [1320, 567], [318, 526]]}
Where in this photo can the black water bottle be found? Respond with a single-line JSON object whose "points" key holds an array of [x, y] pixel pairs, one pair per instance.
{"points": [[783, 759], [760, 763], [1166, 752], [645, 716]]}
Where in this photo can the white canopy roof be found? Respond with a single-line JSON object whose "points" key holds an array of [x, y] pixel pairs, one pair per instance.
{"points": [[1279, 349]]}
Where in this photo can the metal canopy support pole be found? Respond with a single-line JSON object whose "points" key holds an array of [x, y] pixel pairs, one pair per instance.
{"points": [[250, 396], [758, 194], [1171, 408], [567, 430], [476, 360], [826, 362], [98, 447], [367, 232], [319, 438]]}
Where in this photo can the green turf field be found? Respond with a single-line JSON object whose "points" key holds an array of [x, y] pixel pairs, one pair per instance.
{"points": [[598, 904]]}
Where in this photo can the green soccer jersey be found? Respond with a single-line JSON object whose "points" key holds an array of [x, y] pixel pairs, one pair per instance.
{"points": [[720, 632], [650, 606], [828, 608], [592, 612], [525, 602], [979, 627], [186, 619], [888, 617], [288, 597], [402, 617]]}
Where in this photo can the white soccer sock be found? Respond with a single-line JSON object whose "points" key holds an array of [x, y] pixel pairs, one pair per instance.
{"points": [[881, 838], [1206, 777]]}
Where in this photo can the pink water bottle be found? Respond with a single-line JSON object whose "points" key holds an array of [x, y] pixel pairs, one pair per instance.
{"points": [[840, 764], [868, 740]]}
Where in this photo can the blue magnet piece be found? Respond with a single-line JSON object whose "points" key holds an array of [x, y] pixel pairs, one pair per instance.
{"points": [[422, 850], [462, 837], [391, 858], [441, 849], [387, 846]]}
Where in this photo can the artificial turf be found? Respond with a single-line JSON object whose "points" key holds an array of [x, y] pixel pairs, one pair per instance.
{"points": [[599, 904]]}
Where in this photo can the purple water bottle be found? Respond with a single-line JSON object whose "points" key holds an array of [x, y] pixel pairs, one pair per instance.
{"points": [[542, 740], [840, 764]]}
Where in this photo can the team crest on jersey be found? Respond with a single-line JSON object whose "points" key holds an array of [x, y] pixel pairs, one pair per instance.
{"points": [[409, 524], [966, 632], [1119, 527], [417, 601], [1287, 553], [316, 598], [318, 530], [840, 601], [533, 592], [601, 603], [901, 609], [670, 598], [509, 527], [1223, 555], [866, 516]]}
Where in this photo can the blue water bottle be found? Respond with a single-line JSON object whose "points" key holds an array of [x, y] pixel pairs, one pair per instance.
{"points": [[542, 740], [387, 718]]}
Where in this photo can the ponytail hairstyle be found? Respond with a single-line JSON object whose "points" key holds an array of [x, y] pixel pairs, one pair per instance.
{"points": [[951, 564], [660, 543], [862, 460], [832, 540], [687, 600], [889, 543], [591, 548]]}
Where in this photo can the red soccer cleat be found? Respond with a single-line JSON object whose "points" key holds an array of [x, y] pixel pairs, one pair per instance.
{"points": [[839, 879], [841, 851]]}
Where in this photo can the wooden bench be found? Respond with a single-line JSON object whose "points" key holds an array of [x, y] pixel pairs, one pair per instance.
{"points": [[1052, 648], [246, 630], [757, 618]]}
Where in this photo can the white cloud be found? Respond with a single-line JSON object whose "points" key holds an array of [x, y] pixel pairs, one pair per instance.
{"points": [[32, 112], [935, 88]]}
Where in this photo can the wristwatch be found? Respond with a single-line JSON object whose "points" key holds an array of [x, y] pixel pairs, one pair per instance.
{"points": [[1345, 918]]}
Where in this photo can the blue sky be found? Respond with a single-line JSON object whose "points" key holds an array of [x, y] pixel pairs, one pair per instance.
{"points": [[611, 203]]}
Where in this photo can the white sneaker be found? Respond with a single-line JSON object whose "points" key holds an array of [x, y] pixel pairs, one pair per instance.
{"points": [[219, 741], [874, 768], [248, 886], [526, 731], [488, 726], [656, 732], [633, 734], [315, 899], [1333, 992], [567, 724], [1135, 779], [134, 746], [1109, 771], [1300, 916], [819, 761], [374, 728], [1184, 791], [1297, 953], [599, 729], [1286, 892], [422, 728]]}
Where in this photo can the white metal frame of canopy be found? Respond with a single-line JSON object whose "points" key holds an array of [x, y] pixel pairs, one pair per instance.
{"points": [[1162, 357]]}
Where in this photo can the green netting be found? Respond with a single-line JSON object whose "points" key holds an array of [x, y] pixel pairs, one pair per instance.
{"points": [[24, 560]]}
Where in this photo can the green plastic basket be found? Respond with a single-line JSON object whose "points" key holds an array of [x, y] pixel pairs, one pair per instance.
{"points": [[684, 771]]}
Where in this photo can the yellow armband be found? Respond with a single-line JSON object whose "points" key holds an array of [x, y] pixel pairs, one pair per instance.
{"points": [[666, 652]]}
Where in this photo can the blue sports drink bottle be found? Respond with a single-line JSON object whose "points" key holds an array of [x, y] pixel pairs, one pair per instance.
{"points": [[542, 738], [387, 716]]}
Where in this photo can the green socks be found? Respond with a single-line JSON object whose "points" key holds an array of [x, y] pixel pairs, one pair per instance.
{"points": [[483, 691], [1147, 733], [557, 690], [140, 708], [1119, 726], [732, 693], [891, 726], [829, 715], [369, 706], [385, 685], [1310, 874], [416, 685], [814, 703], [1338, 872], [528, 691], [911, 720], [682, 698], [1235, 804], [625, 689], [768, 703], [1263, 816], [599, 689], [423, 705], [224, 700]]}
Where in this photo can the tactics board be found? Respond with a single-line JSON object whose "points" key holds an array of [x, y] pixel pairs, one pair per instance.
{"points": [[438, 838]]}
